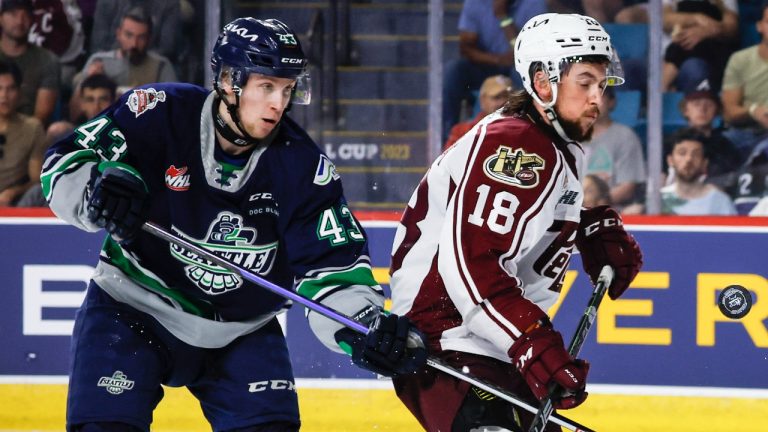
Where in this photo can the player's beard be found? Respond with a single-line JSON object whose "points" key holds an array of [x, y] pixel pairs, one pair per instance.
{"points": [[574, 130]]}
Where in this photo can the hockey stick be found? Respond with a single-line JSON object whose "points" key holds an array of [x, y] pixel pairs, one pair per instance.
{"points": [[603, 282], [330, 313]]}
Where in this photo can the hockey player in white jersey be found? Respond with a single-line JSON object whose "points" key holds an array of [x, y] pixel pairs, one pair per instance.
{"points": [[487, 236]]}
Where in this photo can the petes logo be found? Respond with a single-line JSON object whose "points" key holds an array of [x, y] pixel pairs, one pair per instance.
{"points": [[229, 239], [177, 178], [514, 167], [116, 384], [142, 100], [326, 171]]}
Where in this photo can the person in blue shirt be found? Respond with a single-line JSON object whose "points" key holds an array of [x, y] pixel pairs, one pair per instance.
{"points": [[487, 31], [227, 170]]}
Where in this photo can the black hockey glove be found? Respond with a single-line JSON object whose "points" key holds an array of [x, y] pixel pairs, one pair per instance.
{"points": [[118, 200], [393, 345]]}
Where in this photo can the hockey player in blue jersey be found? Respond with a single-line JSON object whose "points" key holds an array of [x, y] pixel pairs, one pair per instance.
{"points": [[229, 171]]}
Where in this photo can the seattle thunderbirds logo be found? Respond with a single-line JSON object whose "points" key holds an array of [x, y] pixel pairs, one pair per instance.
{"points": [[230, 240]]}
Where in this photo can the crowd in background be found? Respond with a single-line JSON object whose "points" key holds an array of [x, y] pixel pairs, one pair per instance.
{"points": [[63, 61], [715, 63]]}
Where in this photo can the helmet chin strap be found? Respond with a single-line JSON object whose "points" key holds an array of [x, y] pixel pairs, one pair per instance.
{"points": [[243, 139], [549, 110]]}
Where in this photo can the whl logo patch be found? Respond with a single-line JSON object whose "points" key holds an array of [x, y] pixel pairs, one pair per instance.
{"points": [[229, 239], [116, 384], [177, 178], [143, 100], [514, 167]]}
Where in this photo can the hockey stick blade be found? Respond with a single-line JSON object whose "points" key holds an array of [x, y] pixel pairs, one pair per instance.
{"points": [[330, 313], [604, 281]]}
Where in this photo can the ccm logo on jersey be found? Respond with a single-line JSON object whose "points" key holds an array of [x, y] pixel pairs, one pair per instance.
{"points": [[609, 222], [514, 167], [177, 178], [260, 386]]}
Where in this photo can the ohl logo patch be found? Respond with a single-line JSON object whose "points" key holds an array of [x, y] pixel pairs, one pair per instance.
{"points": [[229, 239], [116, 384], [143, 100], [177, 178], [514, 167]]}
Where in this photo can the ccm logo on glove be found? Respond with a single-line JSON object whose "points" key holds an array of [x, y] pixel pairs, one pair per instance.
{"points": [[605, 223], [602, 240]]}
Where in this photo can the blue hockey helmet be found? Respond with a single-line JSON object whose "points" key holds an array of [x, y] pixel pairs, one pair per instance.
{"points": [[266, 47]]}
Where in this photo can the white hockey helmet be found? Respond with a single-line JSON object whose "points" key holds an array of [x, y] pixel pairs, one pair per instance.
{"points": [[551, 41]]}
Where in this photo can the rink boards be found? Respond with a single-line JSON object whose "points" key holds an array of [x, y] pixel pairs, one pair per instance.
{"points": [[651, 352]]}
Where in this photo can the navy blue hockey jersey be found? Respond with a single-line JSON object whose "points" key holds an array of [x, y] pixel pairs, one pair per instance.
{"points": [[279, 213]]}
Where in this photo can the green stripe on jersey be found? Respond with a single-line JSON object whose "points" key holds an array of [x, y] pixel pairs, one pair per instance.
{"points": [[358, 275], [136, 273], [67, 162]]}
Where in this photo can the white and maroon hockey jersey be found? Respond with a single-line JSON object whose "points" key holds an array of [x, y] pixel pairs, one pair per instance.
{"points": [[481, 250]]}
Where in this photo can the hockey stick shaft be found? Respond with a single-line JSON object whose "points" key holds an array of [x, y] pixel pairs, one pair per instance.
{"points": [[330, 313], [604, 281]]}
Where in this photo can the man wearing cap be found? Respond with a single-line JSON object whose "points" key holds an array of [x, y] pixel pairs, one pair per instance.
{"points": [[39, 68], [493, 95], [700, 108]]}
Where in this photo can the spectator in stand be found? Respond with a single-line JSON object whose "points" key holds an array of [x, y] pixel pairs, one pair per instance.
{"points": [[596, 191], [487, 31], [745, 92], [603, 11], [164, 14], [690, 194], [493, 95], [703, 34], [22, 140], [97, 92], [615, 154], [131, 64], [56, 26], [39, 68], [701, 108]]}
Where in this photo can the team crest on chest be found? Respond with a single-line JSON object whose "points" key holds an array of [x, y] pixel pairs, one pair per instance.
{"points": [[514, 167], [143, 100], [229, 239], [177, 179]]}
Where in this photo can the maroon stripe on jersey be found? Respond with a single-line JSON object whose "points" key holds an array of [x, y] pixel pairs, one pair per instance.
{"points": [[432, 311], [411, 217], [463, 182]]}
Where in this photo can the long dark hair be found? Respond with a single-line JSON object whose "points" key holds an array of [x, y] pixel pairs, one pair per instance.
{"points": [[519, 102]]}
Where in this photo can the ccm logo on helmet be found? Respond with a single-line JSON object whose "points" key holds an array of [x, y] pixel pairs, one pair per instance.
{"points": [[598, 38], [291, 60], [609, 222]]}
